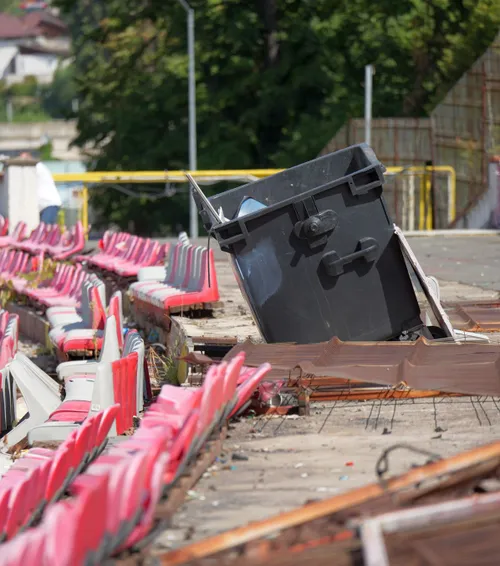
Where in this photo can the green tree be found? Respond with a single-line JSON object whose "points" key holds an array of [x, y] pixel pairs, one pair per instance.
{"points": [[59, 95], [275, 79], [10, 6]]}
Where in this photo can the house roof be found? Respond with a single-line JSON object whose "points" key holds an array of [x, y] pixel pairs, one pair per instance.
{"points": [[34, 20], [13, 27]]}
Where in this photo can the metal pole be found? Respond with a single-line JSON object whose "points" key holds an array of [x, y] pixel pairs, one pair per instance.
{"points": [[193, 212], [368, 103], [85, 210]]}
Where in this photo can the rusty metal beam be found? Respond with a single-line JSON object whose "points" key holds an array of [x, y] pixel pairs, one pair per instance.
{"points": [[480, 316], [375, 393]]}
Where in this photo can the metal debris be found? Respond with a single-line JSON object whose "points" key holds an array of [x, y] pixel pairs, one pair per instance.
{"points": [[449, 508]]}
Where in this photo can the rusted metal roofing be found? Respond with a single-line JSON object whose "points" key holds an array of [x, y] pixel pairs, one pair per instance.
{"points": [[467, 368], [476, 317], [285, 357]]}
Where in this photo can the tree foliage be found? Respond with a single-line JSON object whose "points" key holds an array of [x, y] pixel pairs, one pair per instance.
{"points": [[59, 95], [275, 78]]}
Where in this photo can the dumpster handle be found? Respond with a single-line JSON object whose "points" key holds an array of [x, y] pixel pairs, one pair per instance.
{"points": [[334, 264], [317, 228]]}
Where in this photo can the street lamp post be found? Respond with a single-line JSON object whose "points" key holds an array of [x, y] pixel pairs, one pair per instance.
{"points": [[193, 213], [368, 103]]}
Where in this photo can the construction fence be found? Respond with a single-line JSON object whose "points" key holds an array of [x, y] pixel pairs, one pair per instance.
{"points": [[462, 132]]}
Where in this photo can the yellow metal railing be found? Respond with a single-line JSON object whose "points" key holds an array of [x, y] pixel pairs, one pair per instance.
{"points": [[424, 175], [160, 176]]}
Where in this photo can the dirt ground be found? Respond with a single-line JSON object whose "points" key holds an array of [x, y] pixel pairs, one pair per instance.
{"points": [[273, 464]]}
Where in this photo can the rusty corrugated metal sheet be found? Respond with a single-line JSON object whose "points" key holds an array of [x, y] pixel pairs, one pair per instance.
{"points": [[468, 368], [285, 357], [481, 316]]}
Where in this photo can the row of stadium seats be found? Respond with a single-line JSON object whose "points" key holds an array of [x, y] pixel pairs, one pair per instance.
{"points": [[124, 255], [111, 503], [57, 243]]}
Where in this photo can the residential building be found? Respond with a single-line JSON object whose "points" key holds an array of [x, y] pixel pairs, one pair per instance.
{"points": [[32, 45]]}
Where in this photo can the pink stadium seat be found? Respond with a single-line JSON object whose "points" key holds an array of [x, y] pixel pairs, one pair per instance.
{"points": [[111, 503], [17, 236]]}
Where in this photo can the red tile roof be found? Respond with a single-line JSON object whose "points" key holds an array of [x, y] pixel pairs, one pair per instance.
{"points": [[12, 27], [34, 19]]}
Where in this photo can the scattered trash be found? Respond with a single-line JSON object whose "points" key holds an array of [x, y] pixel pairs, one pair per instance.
{"points": [[153, 336], [299, 465], [248, 206], [195, 495], [343, 478], [269, 393], [241, 457], [304, 475], [215, 503], [349, 463], [386, 431], [327, 489]]}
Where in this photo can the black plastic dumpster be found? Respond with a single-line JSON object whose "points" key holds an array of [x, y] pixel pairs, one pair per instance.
{"points": [[319, 258]]}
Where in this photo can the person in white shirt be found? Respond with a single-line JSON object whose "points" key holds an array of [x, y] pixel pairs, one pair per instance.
{"points": [[49, 199]]}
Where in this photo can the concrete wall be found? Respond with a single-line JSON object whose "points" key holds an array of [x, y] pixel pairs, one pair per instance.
{"points": [[18, 194], [486, 211], [35, 64], [494, 176], [19, 137]]}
